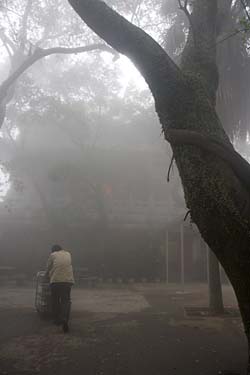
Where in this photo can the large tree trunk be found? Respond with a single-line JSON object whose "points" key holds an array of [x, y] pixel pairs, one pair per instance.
{"points": [[217, 197]]}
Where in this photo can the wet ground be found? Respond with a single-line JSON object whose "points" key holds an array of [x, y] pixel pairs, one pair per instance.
{"points": [[127, 330]]}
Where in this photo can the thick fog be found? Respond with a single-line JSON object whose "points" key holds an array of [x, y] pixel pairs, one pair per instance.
{"points": [[83, 159], [81, 146], [102, 268]]}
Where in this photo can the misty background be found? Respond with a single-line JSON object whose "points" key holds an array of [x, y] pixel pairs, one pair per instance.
{"points": [[83, 160]]}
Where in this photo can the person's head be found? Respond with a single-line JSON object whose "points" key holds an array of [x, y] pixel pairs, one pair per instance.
{"points": [[56, 248]]}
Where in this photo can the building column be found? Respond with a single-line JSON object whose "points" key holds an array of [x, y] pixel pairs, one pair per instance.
{"points": [[182, 257], [167, 256]]}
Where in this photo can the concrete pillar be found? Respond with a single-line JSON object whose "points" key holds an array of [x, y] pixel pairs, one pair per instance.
{"points": [[167, 257], [182, 257]]}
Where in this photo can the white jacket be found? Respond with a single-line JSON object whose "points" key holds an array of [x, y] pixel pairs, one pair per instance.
{"points": [[59, 267]]}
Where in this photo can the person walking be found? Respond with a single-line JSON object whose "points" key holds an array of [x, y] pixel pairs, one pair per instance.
{"points": [[60, 273]]}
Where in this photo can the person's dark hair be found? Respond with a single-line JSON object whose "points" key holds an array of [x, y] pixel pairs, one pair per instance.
{"points": [[56, 248]]}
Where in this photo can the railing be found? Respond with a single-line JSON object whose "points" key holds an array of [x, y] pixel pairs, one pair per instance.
{"points": [[119, 212]]}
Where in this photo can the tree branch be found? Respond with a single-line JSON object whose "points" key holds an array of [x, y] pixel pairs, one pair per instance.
{"points": [[23, 32], [147, 55], [7, 41], [6, 47], [223, 150], [245, 9], [10, 10], [135, 11], [39, 54], [184, 8]]}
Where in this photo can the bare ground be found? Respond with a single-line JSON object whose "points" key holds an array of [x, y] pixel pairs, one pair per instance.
{"points": [[132, 330]]}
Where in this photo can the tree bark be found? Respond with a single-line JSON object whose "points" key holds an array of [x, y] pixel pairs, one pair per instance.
{"points": [[185, 100]]}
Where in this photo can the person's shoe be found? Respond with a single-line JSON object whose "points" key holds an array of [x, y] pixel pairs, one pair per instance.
{"points": [[65, 327]]}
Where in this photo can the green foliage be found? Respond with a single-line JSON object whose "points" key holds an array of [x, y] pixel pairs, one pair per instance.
{"points": [[244, 29]]}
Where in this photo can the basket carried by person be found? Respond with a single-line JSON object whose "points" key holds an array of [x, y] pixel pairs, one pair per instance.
{"points": [[43, 294]]}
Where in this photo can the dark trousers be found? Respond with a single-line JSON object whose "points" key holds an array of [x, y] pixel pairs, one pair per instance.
{"points": [[60, 300]]}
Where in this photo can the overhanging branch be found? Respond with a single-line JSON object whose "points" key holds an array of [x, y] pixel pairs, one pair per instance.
{"points": [[39, 54]]}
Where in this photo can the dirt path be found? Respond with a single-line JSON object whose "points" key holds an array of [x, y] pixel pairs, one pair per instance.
{"points": [[128, 331]]}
